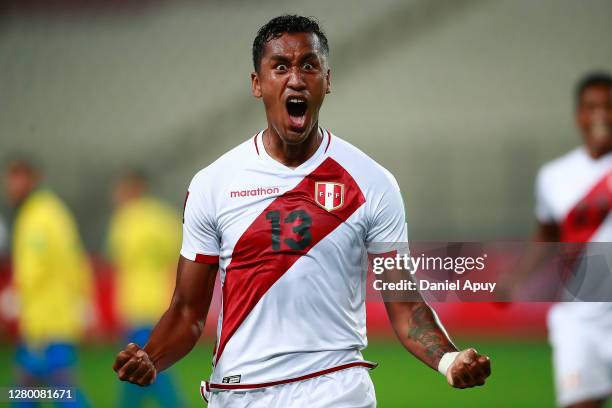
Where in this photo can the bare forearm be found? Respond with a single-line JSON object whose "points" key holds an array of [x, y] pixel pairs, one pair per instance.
{"points": [[181, 326], [419, 331], [174, 336]]}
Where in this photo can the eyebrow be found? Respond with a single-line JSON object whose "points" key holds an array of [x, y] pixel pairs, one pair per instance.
{"points": [[282, 58], [309, 56], [279, 57]]}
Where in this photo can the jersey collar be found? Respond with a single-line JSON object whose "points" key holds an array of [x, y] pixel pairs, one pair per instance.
{"points": [[315, 158]]}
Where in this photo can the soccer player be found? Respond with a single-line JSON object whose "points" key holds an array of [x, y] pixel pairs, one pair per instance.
{"points": [[288, 218], [143, 240], [573, 199], [52, 279]]}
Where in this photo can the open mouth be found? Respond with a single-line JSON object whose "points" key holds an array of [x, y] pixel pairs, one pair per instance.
{"points": [[296, 108]]}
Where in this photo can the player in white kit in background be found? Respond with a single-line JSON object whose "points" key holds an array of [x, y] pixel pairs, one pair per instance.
{"points": [[573, 201], [288, 219]]}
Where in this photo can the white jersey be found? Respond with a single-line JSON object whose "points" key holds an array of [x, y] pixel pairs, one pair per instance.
{"points": [[292, 245], [575, 192]]}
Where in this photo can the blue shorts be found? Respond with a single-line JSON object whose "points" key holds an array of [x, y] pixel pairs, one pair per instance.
{"points": [[139, 335], [47, 359]]}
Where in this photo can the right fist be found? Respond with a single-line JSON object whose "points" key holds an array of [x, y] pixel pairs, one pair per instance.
{"points": [[134, 365]]}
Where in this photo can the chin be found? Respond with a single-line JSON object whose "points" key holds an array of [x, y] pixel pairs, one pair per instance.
{"points": [[601, 146], [296, 136]]}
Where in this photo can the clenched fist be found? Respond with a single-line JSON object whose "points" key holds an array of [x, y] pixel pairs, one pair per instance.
{"points": [[134, 365], [469, 369]]}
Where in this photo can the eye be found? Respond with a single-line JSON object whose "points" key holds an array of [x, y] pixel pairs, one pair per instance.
{"points": [[280, 67], [308, 66]]}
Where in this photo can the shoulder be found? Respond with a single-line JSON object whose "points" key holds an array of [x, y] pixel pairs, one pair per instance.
{"points": [[364, 169], [224, 167], [162, 211], [45, 203], [44, 210], [138, 209], [560, 167], [205, 188]]}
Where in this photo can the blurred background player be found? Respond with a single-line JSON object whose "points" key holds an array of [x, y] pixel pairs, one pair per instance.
{"points": [[144, 238], [52, 279], [573, 200]]}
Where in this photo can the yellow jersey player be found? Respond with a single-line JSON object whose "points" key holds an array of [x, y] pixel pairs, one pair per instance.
{"points": [[144, 239], [52, 279]]}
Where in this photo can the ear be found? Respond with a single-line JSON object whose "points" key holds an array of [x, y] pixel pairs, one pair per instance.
{"points": [[328, 79], [255, 85]]}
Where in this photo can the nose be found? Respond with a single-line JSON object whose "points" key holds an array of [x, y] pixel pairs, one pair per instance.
{"points": [[296, 80]]}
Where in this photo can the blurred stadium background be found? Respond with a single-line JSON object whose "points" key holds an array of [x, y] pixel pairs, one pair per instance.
{"points": [[461, 100]]}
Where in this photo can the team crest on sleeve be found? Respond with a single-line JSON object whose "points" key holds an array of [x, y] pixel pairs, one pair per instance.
{"points": [[329, 195]]}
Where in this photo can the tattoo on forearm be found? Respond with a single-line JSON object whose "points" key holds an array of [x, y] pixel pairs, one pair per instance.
{"points": [[424, 329]]}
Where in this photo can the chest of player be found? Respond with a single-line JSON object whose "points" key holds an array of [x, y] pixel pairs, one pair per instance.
{"points": [[291, 215], [584, 209]]}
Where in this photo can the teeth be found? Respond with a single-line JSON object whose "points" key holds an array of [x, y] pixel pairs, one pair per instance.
{"points": [[295, 100]]}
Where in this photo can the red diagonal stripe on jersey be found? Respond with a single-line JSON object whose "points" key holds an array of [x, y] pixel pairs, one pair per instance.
{"points": [[586, 217], [583, 221], [256, 265]]}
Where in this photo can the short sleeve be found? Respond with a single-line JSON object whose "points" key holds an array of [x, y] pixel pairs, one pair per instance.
{"points": [[201, 242], [387, 229], [543, 210]]}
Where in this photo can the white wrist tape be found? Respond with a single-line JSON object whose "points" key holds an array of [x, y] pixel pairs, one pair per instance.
{"points": [[446, 361]]}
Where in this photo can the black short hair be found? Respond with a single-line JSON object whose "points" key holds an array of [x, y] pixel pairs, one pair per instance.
{"points": [[595, 78], [287, 23]]}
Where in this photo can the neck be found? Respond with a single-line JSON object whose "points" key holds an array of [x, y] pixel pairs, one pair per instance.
{"points": [[291, 154]]}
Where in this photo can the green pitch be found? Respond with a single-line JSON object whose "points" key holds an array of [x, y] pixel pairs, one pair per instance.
{"points": [[521, 376]]}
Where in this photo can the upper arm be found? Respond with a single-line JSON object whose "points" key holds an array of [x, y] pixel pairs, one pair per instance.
{"points": [[199, 254], [30, 251], [195, 283]]}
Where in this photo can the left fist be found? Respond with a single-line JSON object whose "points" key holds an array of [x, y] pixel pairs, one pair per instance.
{"points": [[469, 369]]}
